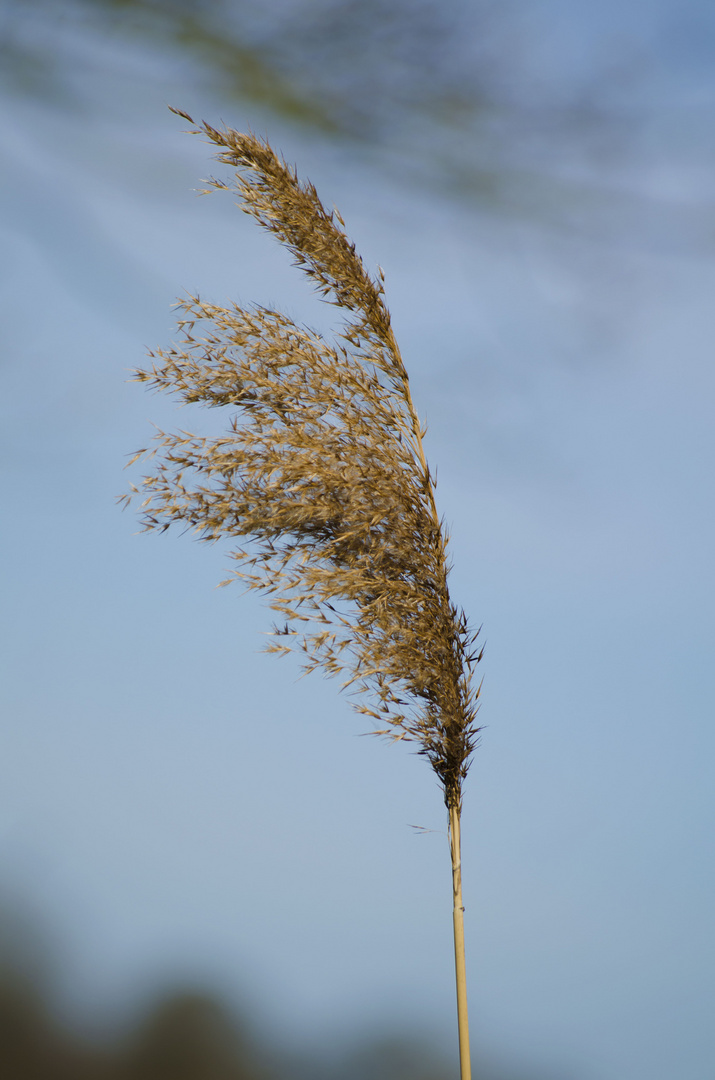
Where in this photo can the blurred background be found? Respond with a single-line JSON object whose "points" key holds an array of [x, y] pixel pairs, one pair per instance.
{"points": [[204, 871]]}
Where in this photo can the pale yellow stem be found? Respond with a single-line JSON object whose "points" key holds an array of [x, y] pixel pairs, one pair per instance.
{"points": [[465, 1065]]}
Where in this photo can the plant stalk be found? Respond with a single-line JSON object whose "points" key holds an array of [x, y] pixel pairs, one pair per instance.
{"points": [[465, 1066]]}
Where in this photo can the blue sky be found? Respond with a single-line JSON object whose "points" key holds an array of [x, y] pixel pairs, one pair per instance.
{"points": [[174, 804]]}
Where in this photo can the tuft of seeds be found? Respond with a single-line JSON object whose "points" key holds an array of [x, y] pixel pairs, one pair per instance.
{"points": [[321, 476]]}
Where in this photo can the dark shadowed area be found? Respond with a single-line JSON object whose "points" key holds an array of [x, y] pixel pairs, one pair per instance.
{"points": [[185, 1034]]}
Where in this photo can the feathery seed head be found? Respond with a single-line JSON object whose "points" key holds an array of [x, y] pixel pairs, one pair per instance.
{"points": [[321, 476]]}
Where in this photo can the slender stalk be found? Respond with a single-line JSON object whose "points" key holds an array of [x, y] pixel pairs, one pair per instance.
{"points": [[455, 845]]}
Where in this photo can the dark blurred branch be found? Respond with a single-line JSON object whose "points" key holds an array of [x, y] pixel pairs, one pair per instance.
{"points": [[339, 66], [439, 83], [442, 96]]}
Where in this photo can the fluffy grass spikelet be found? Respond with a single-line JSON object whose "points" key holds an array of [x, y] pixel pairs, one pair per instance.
{"points": [[321, 476]]}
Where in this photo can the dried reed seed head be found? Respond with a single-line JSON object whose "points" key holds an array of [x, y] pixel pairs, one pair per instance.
{"points": [[322, 477]]}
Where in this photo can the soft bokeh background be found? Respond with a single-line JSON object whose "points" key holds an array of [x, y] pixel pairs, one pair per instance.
{"points": [[177, 810]]}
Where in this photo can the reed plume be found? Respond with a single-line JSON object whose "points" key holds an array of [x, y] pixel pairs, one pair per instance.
{"points": [[321, 477]]}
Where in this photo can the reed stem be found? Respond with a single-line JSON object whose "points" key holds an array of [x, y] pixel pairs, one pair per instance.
{"points": [[465, 1066]]}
